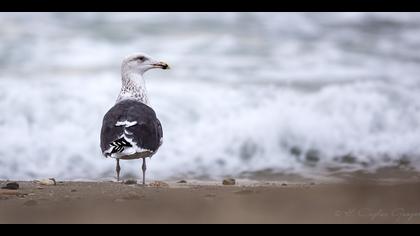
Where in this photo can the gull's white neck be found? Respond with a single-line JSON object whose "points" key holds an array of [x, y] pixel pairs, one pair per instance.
{"points": [[133, 87]]}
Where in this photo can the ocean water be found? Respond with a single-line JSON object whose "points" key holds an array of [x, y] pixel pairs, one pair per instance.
{"points": [[291, 93]]}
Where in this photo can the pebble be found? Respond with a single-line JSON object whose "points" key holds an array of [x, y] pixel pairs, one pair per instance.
{"points": [[182, 182], [159, 184], [283, 184], [229, 181], [22, 195], [48, 182], [73, 190], [11, 186], [130, 182]]}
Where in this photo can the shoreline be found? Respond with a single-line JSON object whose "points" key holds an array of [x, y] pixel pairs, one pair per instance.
{"points": [[210, 202]]}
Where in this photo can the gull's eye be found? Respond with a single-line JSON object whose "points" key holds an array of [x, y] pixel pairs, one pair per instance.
{"points": [[141, 58]]}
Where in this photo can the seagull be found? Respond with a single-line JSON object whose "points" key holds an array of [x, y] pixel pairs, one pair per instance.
{"points": [[130, 129]]}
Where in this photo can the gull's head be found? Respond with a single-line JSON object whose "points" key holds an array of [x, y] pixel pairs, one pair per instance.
{"points": [[139, 63]]}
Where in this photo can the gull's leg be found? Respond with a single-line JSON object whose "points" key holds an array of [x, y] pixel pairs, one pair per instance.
{"points": [[143, 168], [118, 169]]}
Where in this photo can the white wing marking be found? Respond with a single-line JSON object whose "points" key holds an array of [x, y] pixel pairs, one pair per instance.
{"points": [[126, 123]]}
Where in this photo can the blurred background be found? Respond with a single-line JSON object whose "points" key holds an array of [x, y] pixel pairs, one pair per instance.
{"points": [[251, 95]]}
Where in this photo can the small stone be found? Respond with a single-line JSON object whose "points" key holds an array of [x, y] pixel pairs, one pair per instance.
{"points": [[11, 186], [159, 184], [73, 190], [48, 182], [229, 181], [130, 182], [182, 182], [31, 203], [284, 184], [312, 183], [22, 195]]}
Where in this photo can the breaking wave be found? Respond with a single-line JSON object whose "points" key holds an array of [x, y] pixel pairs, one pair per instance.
{"points": [[303, 93]]}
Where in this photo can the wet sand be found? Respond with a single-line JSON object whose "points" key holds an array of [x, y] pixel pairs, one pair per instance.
{"points": [[193, 202]]}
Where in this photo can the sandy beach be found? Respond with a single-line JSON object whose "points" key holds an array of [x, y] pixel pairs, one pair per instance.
{"points": [[193, 202]]}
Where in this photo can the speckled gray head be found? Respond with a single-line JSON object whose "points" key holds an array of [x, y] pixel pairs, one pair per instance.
{"points": [[140, 63], [132, 70]]}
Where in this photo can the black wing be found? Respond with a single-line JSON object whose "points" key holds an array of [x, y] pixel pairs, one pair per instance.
{"points": [[146, 133]]}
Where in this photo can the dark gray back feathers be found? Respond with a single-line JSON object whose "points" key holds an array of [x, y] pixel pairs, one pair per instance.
{"points": [[147, 133]]}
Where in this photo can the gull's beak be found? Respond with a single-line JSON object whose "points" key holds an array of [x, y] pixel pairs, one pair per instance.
{"points": [[162, 65]]}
